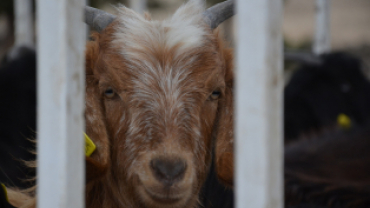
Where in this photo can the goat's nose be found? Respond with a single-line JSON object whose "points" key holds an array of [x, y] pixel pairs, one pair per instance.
{"points": [[168, 171]]}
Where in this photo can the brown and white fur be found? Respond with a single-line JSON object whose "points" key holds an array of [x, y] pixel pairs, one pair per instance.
{"points": [[157, 91]]}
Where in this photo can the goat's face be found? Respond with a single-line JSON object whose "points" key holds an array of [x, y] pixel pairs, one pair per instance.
{"points": [[159, 86]]}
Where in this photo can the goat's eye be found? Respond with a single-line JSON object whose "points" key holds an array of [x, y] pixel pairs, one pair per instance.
{"points": [[215, 95], [109, 93]]}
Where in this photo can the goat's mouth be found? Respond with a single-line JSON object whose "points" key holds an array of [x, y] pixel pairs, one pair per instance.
{"points": [[165, 197]]}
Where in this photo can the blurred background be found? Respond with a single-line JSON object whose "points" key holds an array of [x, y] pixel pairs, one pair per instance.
{"points": [[350, 21]]}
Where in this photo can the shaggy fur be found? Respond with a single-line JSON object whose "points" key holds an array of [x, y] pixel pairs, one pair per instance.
{"points": [[332, 170], [17, 117], [156, 90]]}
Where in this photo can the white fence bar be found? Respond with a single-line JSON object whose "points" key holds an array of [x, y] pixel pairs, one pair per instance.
{"points": [[138, 5], [24, 27], [61, 87], [259, 85], [322, 33]]}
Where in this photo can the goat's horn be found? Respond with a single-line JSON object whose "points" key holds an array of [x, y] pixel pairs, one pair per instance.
{"points": [[219, 13], [97, 19], [214, 16]]}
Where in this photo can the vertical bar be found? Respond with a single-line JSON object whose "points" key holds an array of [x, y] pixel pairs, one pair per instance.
{"points": [[24, 32], [87, 3], [61, 86], [259, 88], [322, 33], [138, 5]]}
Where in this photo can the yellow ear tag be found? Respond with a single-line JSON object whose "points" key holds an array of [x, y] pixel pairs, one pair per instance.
{"points": [[89, 146], [344, 121], [5, 192]]}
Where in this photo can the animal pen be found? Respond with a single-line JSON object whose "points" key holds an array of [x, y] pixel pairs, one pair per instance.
{"points": [[259, 85]]}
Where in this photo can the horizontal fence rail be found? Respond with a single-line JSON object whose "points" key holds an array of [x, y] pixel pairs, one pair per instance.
{"points": [[61, 87], [259, 84]]}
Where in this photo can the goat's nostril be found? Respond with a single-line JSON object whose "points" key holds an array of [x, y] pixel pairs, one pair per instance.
{"points": [[168, 171]]}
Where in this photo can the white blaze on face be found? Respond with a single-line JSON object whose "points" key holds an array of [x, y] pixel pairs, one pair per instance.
{"points": [[141, 41], [136, 34]]}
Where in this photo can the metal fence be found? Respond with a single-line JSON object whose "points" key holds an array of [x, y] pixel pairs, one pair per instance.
{"points": [[60, 88], [258, 110]]}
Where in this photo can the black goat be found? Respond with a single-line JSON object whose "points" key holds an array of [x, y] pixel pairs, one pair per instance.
{"points": [[331, 170], [319, 91], [17, 117]]}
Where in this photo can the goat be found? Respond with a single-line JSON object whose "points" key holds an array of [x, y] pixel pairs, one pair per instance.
{"points": [[17, 116], [322, 89], [331, 170], [158, 98]]}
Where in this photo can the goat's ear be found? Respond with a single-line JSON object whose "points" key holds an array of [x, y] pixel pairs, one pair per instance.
{"points": [[97, 164], [225, 130]]}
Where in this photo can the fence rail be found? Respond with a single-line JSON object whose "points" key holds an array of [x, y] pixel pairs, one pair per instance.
{"points": [[61, 88], [322, 33], [24, 24], [258, 110], [138, 5]]}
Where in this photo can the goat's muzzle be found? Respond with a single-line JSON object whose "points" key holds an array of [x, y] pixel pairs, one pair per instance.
{"points": [[168, 171], [166, 181]]}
